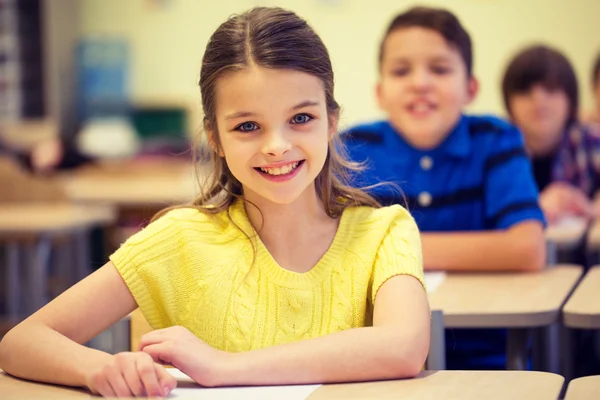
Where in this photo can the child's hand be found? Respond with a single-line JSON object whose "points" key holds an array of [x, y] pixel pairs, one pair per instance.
{"points": [[47, 155], [180, 348], [131, 375], [560, 199]]}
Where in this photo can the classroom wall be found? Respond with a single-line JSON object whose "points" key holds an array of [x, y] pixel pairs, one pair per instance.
{"points": [[168, 37]]}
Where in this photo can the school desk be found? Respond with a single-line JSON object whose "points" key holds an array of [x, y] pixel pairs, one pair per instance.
{"points": [[520, 302], [448, 385], [583, 308], [149, 185], [585, 388], [27, 229]]}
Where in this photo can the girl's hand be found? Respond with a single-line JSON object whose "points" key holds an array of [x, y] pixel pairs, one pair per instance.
{"points": [[180, 348], [131, 375]]}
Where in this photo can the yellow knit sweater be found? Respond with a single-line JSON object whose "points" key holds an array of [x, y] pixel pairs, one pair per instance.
{"points": [[197, 271]]}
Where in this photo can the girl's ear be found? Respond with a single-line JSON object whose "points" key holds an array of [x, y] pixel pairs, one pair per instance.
{"points": [[212, 136], [214, 145]]}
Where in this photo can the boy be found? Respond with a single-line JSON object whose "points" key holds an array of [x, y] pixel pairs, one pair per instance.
{"points": [[467, 179]]}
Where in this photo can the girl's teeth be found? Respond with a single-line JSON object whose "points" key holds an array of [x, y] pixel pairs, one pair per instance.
{"points": [[286, 169]]}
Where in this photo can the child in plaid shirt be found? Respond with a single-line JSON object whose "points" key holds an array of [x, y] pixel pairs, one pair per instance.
{"points": [[541, 96]]}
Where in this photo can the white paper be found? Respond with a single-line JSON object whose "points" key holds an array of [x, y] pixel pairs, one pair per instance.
{"points": [[570, 222], [187, 389], [433, 280]]}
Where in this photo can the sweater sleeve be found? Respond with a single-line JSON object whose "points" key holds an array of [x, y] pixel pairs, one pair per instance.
{"points": [[152, 265], [399, 252]]}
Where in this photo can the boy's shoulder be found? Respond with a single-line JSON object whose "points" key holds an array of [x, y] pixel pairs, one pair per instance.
{"points": [[369, 132], [487, 124], [490, 130]]}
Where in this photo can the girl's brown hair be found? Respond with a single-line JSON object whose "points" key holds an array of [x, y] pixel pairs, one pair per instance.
{"points": [[278, 39]]}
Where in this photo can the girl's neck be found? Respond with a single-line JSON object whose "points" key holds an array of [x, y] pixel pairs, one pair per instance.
{"points": [[284, 222]]}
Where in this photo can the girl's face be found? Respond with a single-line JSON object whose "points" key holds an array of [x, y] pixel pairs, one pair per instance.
{"points": [[541, 114], [274, 131]]}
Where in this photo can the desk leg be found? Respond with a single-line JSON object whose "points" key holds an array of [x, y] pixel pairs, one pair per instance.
{"points": [[516, 349], [567, 353], [13, 281], [551, 253], [552, 347], [436, 360], [82, 255], [38, 264]]}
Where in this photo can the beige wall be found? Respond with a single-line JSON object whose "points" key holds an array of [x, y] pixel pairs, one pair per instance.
{"points": [[167, 42]]}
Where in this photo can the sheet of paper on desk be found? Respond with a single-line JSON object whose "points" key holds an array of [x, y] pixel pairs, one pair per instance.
{"points": [[433, 280], [186, 388], [570, 222]]}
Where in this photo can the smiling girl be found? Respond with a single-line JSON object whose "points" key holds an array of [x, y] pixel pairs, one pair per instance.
{"points": [[279, 273]]}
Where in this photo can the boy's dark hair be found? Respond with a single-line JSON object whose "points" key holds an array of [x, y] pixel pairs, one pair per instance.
{"points": [[596, 71], [437, 19], [541, 65]]}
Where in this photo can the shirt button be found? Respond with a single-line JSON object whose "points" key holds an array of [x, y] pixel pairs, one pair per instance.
{"points": [[424, 199], [426, 163]]}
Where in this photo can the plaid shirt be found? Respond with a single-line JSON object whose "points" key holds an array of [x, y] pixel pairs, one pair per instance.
{"points": [[578, 158]]}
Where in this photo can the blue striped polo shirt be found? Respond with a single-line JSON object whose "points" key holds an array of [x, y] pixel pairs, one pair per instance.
{"points": [[478, 178]]}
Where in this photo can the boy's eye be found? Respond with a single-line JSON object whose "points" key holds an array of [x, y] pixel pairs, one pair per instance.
{"points": [[440, 70], [301, 119], [246, 127], [399, 72]]}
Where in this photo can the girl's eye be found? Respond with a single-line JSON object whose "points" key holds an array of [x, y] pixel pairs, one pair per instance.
{"points": [[246, 127], [301, 119]]}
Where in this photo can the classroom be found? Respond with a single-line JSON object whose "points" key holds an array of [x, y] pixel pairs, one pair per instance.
{"points": [[300, 199]]}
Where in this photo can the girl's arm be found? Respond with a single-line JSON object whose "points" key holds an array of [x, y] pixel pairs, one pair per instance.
{"points": [[47, 346], [395, 346], [519, 248]]}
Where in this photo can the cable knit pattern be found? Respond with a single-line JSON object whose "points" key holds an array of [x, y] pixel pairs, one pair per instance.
{"points": [[196, 270]]}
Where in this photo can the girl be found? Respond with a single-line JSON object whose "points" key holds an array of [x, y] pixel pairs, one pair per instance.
{"points": [[541, 96], [279, 273]]}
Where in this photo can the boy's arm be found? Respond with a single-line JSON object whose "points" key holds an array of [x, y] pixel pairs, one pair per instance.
{"points": [[512, 238], [518, 248]]}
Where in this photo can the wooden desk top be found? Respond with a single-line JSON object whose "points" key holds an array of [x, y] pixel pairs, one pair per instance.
{"points": [[504, 300], [133, 184], [449, 385], [583, 308], [33, 218], [584, 388]]}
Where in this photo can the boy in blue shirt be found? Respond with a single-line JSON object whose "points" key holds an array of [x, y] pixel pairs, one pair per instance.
{"points": [[467, 179]]}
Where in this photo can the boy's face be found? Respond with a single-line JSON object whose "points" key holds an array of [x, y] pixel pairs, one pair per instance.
{"points": [[541, 113], [424, 85]]}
